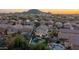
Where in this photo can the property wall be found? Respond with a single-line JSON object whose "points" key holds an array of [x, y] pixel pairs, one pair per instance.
{"points": [[73, 38]]}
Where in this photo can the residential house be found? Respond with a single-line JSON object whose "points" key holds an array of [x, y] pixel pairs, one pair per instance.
{"points": [[41, 30]]}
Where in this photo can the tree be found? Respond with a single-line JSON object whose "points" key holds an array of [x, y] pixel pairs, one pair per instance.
{"points": [[41, 45], [37, 24], [19, 42], [54, 32]]}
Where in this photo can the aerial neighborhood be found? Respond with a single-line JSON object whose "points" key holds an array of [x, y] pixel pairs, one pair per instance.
{"points": [[37, 30]]}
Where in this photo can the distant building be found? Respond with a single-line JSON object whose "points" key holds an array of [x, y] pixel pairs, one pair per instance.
{"points": [[27, 20], [59, 24], [68, 26], [35, 20]]}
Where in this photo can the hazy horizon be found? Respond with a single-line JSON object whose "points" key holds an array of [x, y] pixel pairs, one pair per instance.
{"points": [[54, 11]]}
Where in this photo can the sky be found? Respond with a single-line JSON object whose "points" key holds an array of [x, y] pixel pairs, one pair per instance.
{"points": [[54, 11]]}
